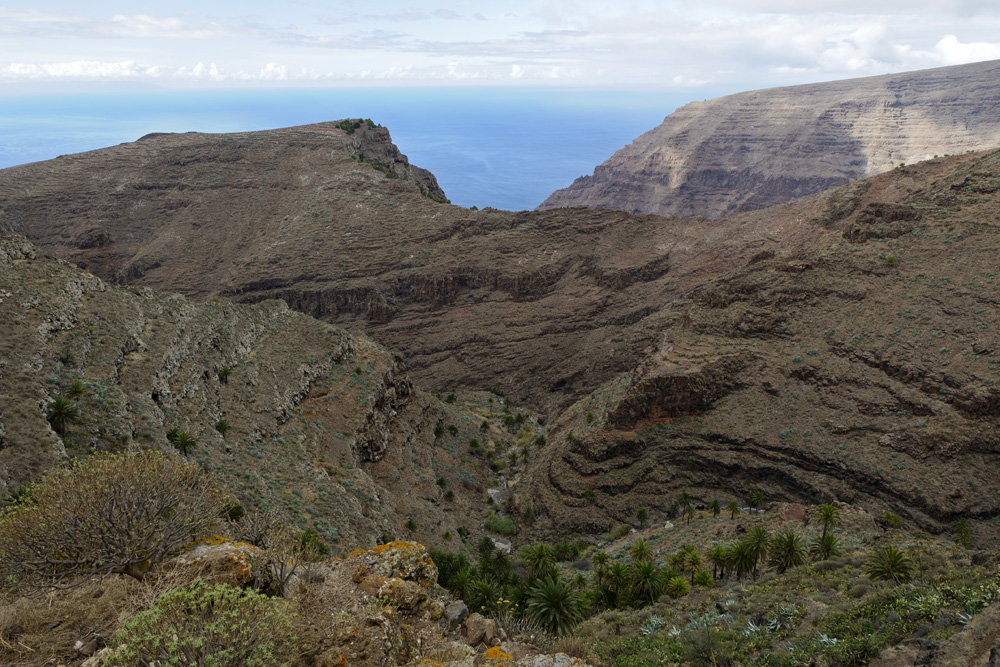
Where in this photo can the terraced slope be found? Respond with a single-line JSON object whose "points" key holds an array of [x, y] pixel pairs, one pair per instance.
{"points": [[861, 366]]}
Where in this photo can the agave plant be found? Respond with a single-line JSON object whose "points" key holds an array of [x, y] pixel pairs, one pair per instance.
{"points": [[652, 625]]}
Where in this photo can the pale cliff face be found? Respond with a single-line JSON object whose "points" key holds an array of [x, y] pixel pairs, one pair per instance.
{"points": [[756, 149]]}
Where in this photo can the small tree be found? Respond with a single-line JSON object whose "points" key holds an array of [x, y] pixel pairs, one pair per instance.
{"points": [[642, 515], [689, 512], [733, 507], [962, 533], [715, 508], [828, 516], [224, 374], [61, 413], [755, 500], [223, 427], [120, 514]]}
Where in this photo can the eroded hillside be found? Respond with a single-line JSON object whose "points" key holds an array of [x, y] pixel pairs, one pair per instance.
{"points": [[324, 427], [538, 305], [862, 365]]}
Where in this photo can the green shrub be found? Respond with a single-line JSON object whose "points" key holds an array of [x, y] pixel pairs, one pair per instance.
{"points": [[504, 526], [619, 531], [208, 624]]}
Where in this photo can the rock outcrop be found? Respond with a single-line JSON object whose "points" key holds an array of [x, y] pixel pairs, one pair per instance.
{"points": [[756, 149]]}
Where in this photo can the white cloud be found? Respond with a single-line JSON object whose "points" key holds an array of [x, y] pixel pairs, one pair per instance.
{"points": [[664, 43]]}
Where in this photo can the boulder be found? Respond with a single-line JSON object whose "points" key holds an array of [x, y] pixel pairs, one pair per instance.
{"points": [[454, 614], [407, 596], [401, 560], [479, 630]]}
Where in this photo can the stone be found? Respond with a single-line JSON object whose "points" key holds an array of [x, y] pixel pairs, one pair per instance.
{"points": [[435, 610], [479, 630], [455, 613], [407, 596]]}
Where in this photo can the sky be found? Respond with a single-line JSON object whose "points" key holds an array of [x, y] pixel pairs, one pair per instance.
{"points": [[58, 46]]}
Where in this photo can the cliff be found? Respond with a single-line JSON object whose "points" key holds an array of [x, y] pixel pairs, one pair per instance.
{"points": [[756, 149]]}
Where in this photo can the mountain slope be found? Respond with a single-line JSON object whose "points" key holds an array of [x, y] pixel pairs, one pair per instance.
{"points": [[326, 427], [538, 305], [861, 366], [756, 149]]}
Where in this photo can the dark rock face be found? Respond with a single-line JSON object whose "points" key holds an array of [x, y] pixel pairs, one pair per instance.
{"points": [[753, 150]]}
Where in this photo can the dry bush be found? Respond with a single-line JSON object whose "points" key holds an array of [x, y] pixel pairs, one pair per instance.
{"points": [[103, 515], [574, 647], [283, 554]]}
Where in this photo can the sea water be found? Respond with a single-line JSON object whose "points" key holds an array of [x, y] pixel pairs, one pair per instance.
{"points": [[500, 147]]}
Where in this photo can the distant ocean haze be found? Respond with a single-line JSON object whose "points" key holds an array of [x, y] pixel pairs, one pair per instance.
{"points": [[506, 148]]}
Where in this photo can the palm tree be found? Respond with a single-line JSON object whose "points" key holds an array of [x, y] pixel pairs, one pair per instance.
{"points": [[640, 550], [76, 389], [617, 579], [481, 594], [554, 606], [460, 582], [825, 547], [689, 512], [889, 564], [694, 563], [61, 413], [755, 499], [962, 534], [757, 541], [183, 442], [642, 515], [540, 559], [224, 374], [786, 551], [676, 586], [733, 507], [741, 558], [715, 508], [828, 516], [718, 558], [600, 561], [644, 577], [684, 499]]}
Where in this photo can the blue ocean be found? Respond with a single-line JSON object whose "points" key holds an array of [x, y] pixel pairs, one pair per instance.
{"points": [[506, 148]]}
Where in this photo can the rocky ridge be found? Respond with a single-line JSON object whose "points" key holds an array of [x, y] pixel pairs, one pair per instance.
{"points": [[541, 306], [756, 149]]}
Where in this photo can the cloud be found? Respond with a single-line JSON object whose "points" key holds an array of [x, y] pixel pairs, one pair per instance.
{"points": [[950, 51]]}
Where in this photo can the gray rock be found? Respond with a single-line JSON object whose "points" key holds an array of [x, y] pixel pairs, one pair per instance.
{"points": [[455, 613]]}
